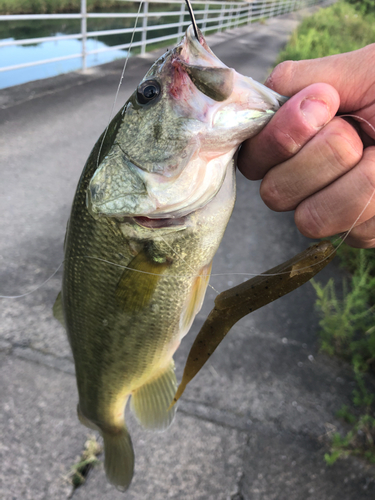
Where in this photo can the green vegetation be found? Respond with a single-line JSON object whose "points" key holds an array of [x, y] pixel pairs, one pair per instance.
{"points": [[348, 324], [48, 27], [364, 6], [348, 315], [348, 331], [57, 6], [86, 462], [359, 441], [336, 29]]}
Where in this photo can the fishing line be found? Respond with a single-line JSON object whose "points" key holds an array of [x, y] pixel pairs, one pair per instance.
{"points": [[100, 149], [192, 17], [35, 289], [183, 260], [120, 83], [341, 238]]}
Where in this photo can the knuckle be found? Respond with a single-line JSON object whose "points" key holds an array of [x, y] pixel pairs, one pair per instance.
{"points": [[343, 148], [358, 240], [271, 194], [281, 75], [309, 221], [368, 170], [284, 143]]}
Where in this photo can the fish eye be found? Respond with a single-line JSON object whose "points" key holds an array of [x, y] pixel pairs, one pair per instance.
{"points": [[148, 91]]}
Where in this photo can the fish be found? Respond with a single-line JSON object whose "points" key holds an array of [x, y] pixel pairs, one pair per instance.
{"points": [[148, 215]]}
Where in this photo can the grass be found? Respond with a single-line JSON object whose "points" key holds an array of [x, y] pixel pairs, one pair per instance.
{"points": [[348, 331], [88, 460], [347, 325], [336, 29]]}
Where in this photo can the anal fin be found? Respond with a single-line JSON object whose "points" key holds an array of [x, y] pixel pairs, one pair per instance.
{"points": [[150, 403]]}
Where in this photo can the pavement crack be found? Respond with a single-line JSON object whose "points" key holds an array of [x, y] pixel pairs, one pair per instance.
{"points": [[49, 360], [216, 416]]}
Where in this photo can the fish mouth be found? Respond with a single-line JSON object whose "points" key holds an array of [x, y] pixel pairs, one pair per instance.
{"points": [[160, 223]]}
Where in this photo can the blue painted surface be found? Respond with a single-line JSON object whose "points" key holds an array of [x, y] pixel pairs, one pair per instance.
{"points": [[19, 54]]}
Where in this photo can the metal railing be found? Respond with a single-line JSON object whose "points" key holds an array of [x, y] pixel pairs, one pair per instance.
{"points": [[211, 16]]}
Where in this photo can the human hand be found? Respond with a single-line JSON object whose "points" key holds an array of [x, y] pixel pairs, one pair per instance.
{"points": [[312, 161]]}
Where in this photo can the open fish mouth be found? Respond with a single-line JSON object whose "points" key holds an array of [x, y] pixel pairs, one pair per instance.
{"points": [[160, 223]]}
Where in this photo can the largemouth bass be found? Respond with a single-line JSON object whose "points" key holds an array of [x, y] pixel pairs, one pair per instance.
{"points": [[148, 215]]}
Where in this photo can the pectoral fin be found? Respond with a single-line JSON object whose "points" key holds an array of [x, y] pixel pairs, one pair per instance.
{"points": [[137, 284], [57, 310], [196, 297]]}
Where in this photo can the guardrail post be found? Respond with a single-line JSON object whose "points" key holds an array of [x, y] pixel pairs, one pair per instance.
{"points": [[144, 28], [227, 19], [205, 16], [230, 15], [262, 10], [83, 32], [283, 6], [221, 15], [181, 22], [238, 13], [249, 12], [273, 8], [277, 8]]}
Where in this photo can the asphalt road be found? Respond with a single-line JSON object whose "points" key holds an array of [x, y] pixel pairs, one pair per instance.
{"points": [[256, 422]]}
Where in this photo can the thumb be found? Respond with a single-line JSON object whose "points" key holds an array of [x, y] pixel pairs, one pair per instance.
{"points": [[294, 124]]}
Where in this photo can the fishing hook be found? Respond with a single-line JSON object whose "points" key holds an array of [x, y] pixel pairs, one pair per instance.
{"points": [[192, 17]]}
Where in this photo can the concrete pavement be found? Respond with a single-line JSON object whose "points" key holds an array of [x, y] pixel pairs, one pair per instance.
{"points": [[255, 423]]}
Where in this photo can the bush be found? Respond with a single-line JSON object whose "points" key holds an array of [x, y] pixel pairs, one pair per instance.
{"points": [[347, 323], [334, 30]]}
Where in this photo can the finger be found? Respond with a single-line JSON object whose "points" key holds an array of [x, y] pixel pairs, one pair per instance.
{"points": [[296, 122], [356, 67], [362, 236], [350, 200], [326, 157]]}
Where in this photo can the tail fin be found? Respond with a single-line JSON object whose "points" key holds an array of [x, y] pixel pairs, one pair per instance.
{"points": [[150, 403], [119, 458]]}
